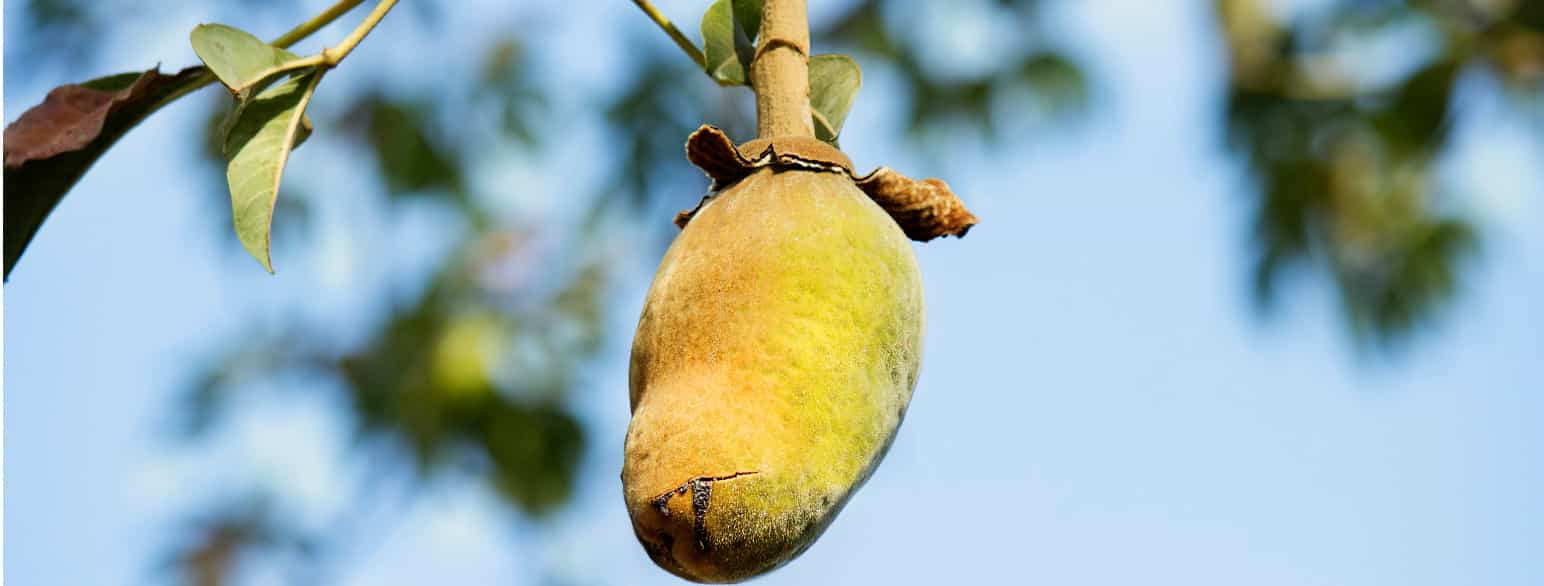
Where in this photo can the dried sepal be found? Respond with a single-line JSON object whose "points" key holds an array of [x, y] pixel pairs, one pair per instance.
{"points": [[925, 209]]}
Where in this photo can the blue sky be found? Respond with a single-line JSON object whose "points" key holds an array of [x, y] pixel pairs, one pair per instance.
{"points": [[1098, 402]]}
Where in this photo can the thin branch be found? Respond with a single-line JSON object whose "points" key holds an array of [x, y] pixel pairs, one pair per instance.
{"points": [[284, 41], [675, 34], [316, 23], [265, 74], [332, 55]]}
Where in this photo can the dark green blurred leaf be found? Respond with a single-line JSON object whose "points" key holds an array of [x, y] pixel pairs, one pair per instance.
{"points": [[1346, 170], [1413, 279], [535, 453], [1056, 80], [651, 118], [506, 83], [1415, 123], [428, 382], [413, 161], [55, 34]]}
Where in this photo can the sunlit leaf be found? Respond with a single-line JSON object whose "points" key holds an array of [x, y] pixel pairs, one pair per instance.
{"points": [[52, 144], [834, 83], [240, 60], [256, 149], [720, 36]]}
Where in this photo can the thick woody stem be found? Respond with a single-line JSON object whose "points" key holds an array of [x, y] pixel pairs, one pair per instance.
{"points": [[780, 72]]}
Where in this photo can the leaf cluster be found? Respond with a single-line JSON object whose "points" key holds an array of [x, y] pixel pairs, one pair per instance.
{"points": [[730, 30], [1347, 169]]}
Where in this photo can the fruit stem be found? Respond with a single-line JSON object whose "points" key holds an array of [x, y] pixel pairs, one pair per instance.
{"points": [[780, 71]]}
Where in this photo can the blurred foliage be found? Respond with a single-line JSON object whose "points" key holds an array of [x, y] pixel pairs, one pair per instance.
{"points": [[470, 371], [1056, 84], [468, 375], [1346, 153], [648, 120], [214, 544], [67, 26], [506, 87]]}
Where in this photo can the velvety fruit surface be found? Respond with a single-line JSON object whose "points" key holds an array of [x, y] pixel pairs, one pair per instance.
{"points": [[773, 362]]}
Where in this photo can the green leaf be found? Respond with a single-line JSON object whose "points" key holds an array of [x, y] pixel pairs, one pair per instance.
{"points": [[747, 18], [52, 145], [747, 14], [834, 83], [256, 148], [240, 60], [725, 46]]}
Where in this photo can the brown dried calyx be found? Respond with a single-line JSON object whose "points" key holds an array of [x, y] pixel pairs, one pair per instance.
{"points": [[925, 209]]}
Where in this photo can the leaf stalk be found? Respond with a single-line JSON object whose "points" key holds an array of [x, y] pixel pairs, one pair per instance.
{"points": [[305, 29], [676, 35], [332, 55]]}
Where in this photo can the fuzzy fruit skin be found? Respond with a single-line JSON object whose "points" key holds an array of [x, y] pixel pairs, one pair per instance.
{"points": [[775, 357]]}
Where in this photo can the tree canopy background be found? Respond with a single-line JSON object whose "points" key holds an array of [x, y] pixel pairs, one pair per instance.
{"points": [[1232, 254]]}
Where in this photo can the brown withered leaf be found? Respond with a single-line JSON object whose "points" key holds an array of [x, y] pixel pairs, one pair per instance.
{"points": [[52, 144], [925, 209]]}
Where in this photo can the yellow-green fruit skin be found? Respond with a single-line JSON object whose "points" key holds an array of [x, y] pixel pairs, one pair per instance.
{"points": [[773, 363]]}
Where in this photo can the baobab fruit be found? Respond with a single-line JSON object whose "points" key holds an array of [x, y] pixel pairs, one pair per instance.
{"points": [[773, 363]]}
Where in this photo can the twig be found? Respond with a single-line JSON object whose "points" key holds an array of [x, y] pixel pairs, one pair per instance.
{"points": [[332, 55], [675, 34], [284, 41], [305, 29], [328, 57]]}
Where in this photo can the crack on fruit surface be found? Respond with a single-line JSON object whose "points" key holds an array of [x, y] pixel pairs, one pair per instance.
{"points": [[701, 488]]}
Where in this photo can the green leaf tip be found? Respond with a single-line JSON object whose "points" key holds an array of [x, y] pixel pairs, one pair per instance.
{"points": [[240, 60], [729, 29], [257, 147], [834, 84]]}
